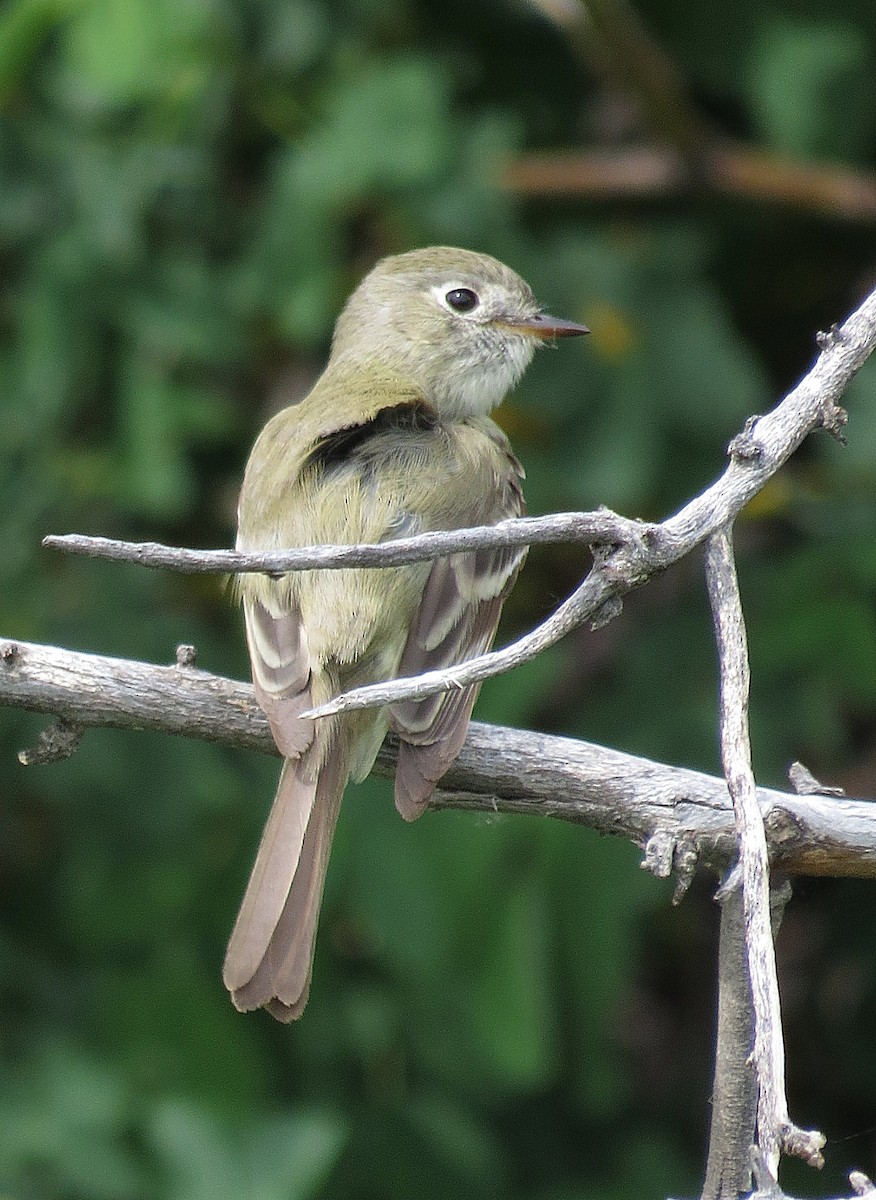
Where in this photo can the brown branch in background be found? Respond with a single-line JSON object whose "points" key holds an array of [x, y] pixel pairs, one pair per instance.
{"points": [[725, 168], [609, 37], [688, 156], [775, 1131]]}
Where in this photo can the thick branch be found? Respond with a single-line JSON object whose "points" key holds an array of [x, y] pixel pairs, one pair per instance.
{"points": [[499, 770]]}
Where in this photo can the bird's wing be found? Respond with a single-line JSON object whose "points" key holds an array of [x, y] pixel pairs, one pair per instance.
{"points": [[270, 952], [456, 620], [280, 671], [281, 675]]}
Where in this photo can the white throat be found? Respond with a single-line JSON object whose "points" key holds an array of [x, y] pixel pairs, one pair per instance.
{"points": [[477, 389]]}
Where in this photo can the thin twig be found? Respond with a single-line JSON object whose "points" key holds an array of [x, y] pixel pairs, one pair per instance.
{"points": [[641, 551], [775, 1131], [587, 528], [756, 455]]}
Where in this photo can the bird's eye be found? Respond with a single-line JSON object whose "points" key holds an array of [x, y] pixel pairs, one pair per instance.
{"points": [[462, 300]]}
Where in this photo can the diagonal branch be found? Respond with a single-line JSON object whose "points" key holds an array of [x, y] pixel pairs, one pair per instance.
{"points": [[640, 550], [756, 455]]}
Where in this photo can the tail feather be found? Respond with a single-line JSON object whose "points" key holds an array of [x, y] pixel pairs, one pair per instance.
{"points": [[272, 875], [274, 970]]}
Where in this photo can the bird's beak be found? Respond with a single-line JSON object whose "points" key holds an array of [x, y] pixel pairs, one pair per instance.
{"points": [[545, 327]]}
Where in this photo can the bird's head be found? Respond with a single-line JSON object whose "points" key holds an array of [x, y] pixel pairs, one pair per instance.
{"points": [[460, 325]]}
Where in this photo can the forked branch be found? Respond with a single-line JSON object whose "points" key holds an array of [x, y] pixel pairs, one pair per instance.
{"points": [[633, 551]]}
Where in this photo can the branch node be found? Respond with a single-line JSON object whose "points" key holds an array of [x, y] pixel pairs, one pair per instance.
{"points": [[633, 540], [58, 741], [783, 829], [744, 448], [862, 1185], [606, 612], [686, 859], [804, 783], [186, 656], [833, 419], [665, 853], [829, 338], [8, 654], [659, 853], [803, 1143]]}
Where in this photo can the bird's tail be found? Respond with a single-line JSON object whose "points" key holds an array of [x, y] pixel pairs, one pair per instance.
{"points": [[270, 954]]}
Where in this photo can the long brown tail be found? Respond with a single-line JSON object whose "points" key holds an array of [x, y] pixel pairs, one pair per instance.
{"points": [[270, 954]]}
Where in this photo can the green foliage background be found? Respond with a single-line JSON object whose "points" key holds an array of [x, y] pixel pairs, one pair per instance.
{"points": [[502, 1008]]}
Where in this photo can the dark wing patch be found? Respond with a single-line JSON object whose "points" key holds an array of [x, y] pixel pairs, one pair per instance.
{"points": [[338, 447]]}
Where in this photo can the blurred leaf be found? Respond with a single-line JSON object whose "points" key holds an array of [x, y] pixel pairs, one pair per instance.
{"points": [[460, 1138], [64, 1123], [598, 907], [511, 996], [286, 1159], [294, 34], [155, 475], [23, 26], [811, 87], [125, 51]]}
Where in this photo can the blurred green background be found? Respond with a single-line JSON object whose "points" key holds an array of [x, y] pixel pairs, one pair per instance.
{"points": [[502, 1008]]}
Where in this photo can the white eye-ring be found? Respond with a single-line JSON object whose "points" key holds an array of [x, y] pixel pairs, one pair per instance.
{"points": [[458, 298]]}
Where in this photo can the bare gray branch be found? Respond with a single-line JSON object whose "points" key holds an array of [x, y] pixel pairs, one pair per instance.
{"points": [[734, 1095], [587, 528], [499, 770], [766, 443], [775, 1132], [756, 454]]}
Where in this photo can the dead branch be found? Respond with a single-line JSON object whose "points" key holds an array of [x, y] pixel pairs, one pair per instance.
{"points": [[639, 550], [673, 814], [775, 1131]]}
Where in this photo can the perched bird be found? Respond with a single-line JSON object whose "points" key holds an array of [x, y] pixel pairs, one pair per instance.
{"points": [[393, 440]]}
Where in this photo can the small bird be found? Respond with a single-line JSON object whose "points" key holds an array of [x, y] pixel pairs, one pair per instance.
{"points": [[393, 440]]}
